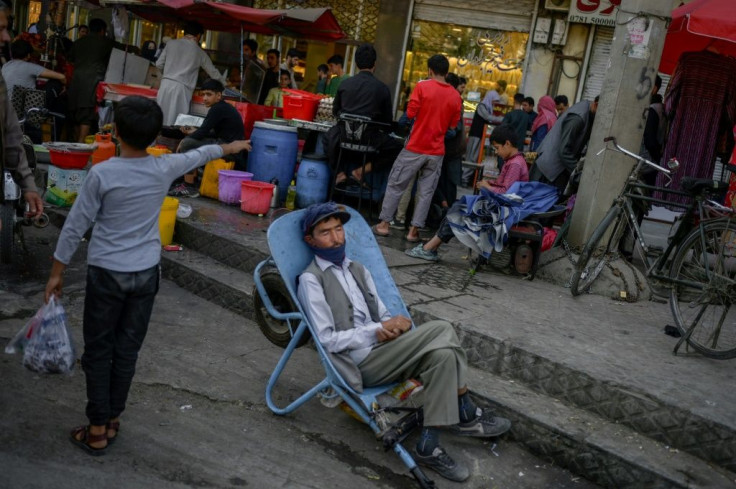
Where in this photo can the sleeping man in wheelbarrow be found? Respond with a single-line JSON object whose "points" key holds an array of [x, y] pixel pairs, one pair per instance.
{"points": [[369, 347]]}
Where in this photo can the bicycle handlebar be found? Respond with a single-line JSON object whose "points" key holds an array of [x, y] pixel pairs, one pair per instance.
{"points": [[635, 156]]}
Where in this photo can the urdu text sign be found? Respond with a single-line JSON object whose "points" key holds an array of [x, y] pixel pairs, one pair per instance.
{"points": [[599, 12]]}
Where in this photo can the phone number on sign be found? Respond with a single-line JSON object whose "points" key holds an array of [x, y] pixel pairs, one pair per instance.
{"points": [[583, 19]]}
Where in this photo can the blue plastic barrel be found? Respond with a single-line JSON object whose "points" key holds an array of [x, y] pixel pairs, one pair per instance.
{"points": [[273, 155], [312, 181]]}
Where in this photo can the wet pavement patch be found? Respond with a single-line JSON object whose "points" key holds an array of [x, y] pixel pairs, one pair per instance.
{"points": [[448, 278], [360, 465]]}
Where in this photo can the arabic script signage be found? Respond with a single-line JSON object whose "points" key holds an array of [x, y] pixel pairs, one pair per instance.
{"points": [[599, 12]]}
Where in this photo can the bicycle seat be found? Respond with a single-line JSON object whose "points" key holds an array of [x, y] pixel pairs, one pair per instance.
{"points": [[696, 186], [552, 212]]}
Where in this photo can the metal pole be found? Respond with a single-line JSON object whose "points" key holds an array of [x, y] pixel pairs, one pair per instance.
{"points": [[528, 54], [407, 33], [242, 39]]}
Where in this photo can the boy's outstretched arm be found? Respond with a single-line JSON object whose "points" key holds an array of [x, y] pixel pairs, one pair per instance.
{"points": [[235, 147]]}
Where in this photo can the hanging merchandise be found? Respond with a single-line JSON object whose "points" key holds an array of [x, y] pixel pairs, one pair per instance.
{"points": [[120, 23]]}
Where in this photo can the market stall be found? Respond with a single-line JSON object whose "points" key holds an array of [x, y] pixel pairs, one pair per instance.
{"points": [[310, 23]]}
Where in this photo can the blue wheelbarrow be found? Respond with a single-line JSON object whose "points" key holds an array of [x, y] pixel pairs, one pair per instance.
{"points": [[284, 323]]}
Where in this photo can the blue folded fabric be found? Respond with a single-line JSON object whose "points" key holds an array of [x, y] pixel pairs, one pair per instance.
{"points": [[481, 222]]}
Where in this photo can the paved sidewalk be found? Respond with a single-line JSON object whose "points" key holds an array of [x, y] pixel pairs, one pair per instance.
{"points": [[197, 416], [621, 342], [606, 357]]}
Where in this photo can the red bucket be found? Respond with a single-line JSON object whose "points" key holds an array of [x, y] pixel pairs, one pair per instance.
{"points": [[299, 104], [255, 197]]}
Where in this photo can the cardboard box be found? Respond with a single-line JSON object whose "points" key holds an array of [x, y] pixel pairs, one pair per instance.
{"points": [[66, 180]]}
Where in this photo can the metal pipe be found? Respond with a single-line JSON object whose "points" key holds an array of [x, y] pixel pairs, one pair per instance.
{"points": [[529, 48], [242, 39], [407, 33]]}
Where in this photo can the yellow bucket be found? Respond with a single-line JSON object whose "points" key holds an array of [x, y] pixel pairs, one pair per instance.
{"points": [[157, 150], [167, 220]]}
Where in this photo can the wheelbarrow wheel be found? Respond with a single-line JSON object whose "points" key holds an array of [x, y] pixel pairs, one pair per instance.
{"points": [[277, 332]]}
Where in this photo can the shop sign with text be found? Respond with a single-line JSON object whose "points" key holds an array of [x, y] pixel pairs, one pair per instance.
{"points": [[599, 12]]}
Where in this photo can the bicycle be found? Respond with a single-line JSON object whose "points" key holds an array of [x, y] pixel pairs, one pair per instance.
{"points": [[698, 266]]}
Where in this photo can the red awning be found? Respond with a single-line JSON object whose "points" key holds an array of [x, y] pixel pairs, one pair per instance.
{"points": [[698, 25], [310, 23]]}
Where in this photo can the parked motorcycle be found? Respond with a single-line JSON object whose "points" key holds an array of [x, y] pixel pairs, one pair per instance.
{"points": [[14, 212]]}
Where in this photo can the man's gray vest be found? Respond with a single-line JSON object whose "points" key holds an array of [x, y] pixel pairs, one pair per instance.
{"points": [[548, 154], [342, 313]]}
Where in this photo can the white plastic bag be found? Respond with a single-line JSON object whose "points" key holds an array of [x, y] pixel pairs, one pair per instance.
{"points": [[45, 341]]}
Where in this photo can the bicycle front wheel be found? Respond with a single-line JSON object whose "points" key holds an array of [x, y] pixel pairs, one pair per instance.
{"points": [[593, 257], [704, 289], [7, 230]]}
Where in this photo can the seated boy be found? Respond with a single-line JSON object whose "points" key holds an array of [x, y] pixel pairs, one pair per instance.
{"points": [[275, 97], [123, 198], [503, 140], [223, 124]]}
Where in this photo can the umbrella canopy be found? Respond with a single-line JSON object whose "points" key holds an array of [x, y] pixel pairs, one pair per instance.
{"points": [[698, 25], [309, 23]]}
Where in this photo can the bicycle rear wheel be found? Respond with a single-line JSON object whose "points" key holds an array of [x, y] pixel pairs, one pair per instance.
{"points": [[592, 260], [702, 299]]}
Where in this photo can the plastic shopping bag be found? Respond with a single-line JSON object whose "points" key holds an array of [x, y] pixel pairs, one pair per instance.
{"points": [[45, 341]]}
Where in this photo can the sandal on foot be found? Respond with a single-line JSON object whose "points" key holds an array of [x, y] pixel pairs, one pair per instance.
{"points": [[383, 234], [113, 426], [86, 438], [413, 239]]}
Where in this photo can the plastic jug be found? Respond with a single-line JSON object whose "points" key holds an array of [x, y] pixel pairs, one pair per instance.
{"points": [[291, 196], [275, 197], [105, 148]]}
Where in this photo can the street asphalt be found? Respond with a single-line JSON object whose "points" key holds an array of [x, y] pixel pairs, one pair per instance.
{"points": [[196, 415]]}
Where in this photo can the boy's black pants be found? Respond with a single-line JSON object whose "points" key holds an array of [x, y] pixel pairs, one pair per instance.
{"points": [[117, 309]]}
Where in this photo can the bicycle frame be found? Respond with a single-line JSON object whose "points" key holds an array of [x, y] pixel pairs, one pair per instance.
{"points": [[655, 269]]}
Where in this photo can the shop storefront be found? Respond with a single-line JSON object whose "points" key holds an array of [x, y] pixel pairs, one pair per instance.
{"points": [[485, 42], [358, 18]]}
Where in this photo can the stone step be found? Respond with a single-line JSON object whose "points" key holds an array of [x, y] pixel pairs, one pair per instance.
{"points": [[223, 246], [602, 451], [653, 415], [210, 279], [658, 418], [224, 233]]}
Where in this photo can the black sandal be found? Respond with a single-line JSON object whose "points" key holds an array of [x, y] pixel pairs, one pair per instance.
{"points": [[86, 439], [114, 426]]}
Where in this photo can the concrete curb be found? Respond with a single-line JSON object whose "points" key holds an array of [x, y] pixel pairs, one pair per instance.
{"points": [[201, 270], [599, 450]]}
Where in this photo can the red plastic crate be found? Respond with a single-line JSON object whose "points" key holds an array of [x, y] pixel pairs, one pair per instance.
{"points": [[251, 113], [299, 104]]}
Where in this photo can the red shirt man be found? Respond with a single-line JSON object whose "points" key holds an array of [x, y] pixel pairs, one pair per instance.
{"points": [[432, 104], [435, 107]]}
